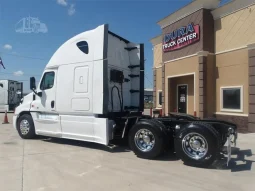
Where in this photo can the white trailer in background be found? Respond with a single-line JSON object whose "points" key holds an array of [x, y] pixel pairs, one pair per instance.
{"points": [[10, 94]]}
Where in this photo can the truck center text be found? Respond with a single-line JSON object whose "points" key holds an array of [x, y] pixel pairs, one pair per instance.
{"points": [[180, 41]]}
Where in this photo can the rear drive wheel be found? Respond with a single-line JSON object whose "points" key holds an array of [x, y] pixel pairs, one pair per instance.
{"points": [[25, 127], [198, 145], [146, 139]]}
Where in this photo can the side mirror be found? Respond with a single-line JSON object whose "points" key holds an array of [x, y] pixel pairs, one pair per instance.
{"points": [[33, 87], [39, 94], [32, 83], [1, 85]]}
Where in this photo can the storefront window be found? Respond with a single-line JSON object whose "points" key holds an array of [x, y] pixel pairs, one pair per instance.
{"points": [[160, 98], [231, 99]]}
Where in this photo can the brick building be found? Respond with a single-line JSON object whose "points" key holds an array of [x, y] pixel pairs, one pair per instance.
{"points": [[204, 62]]}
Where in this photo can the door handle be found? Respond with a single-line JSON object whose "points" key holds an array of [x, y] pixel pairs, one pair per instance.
{"points": [[52, 104]]}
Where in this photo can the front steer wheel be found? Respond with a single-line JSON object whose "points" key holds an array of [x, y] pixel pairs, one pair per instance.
{"points": [[147, 139], [198, 144], [25, 127]]}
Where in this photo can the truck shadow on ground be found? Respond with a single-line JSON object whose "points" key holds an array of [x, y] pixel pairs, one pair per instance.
{"points": [[117, 146], [113, 148], [238, 162]]}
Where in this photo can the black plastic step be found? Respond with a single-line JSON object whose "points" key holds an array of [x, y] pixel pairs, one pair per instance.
{"points": [[131, 48], [133, 76], [133, 66], [134, 91], [131, 107], [126, 80]]}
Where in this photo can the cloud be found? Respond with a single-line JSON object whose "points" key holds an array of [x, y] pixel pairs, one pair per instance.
{"points": [[7, 47], [71, 10], [18, 73], [62, 2]]}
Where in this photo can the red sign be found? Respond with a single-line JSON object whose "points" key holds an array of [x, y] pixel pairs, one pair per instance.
{"points": [[181, 38]]}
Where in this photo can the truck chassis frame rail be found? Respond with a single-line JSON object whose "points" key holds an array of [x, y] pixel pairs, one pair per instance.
{"points": [[197, 142]]}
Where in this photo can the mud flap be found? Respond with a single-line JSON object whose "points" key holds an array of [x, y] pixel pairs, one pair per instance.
{"points": [[229, 149], [232, 137]]}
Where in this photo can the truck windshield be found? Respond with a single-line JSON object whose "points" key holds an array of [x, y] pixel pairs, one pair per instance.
{"points": [[47, 81]]}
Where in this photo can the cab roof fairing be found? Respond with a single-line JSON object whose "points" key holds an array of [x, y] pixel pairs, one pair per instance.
{"points": [[67, 53]]}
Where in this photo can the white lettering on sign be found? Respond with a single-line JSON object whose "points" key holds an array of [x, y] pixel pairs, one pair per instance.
{"points": [[181, 37], [186, 38], [173, 43]]}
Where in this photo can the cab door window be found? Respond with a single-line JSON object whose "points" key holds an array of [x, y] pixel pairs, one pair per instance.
{"points": [[47, 81]]}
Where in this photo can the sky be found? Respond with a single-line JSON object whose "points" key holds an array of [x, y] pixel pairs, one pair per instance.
{"points": [[26, 54]]}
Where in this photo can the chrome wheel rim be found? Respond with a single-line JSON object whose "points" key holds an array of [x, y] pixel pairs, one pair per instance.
{"points": [[195, 146], [144, 140], [24, 127]]}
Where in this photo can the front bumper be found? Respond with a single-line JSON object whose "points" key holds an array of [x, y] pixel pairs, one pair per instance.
{"points": [[14, 119]]}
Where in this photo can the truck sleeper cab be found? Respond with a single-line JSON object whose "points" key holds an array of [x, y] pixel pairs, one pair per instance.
{"points": [[83, 84], [92, 90]]}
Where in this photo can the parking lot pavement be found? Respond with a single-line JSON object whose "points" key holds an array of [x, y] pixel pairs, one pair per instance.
{"points": [[46, 164]]}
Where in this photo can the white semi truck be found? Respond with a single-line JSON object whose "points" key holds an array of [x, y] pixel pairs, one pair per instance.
{"points": [[92, 89]]}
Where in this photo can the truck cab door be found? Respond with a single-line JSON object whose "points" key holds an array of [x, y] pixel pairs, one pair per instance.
{"points": [[47, 89], [46, 119]]}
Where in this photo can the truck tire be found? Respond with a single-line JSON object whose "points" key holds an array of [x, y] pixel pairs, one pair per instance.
{"points": [[25, 127], [198, 144], [168, 142], [223, 138], [147, 139]]}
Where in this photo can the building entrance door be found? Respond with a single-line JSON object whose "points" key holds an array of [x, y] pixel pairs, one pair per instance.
{"points": [[182, 98]]}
